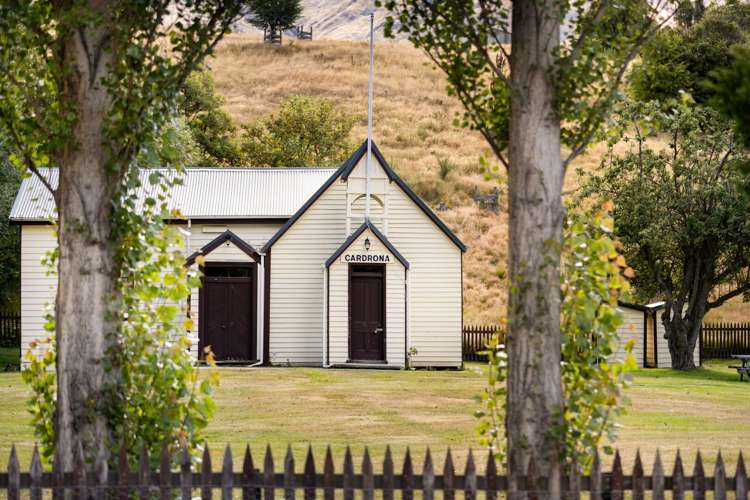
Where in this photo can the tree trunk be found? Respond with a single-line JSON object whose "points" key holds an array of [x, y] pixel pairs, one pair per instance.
{"points": [[87, 297], [536, 216], [682, 336]]}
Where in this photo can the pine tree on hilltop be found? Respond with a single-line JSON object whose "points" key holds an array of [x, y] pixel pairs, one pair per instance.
{"points": [[274, 15]]}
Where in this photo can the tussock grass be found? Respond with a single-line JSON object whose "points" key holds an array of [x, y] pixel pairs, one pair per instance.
{"points": [[413, 126]]}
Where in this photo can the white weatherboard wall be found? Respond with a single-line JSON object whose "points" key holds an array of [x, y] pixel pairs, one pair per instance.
{"points": [[296, 295], [338, 326], [631, 329], [38, 287]]}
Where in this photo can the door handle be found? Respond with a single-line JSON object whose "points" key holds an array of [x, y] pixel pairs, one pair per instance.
{"points": [[378, 330]]}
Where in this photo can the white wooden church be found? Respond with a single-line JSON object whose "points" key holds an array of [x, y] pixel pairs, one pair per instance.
{"points": [[297, 268]]}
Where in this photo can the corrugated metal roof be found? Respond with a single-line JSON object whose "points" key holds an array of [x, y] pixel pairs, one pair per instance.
{"points": [[204, 193]]}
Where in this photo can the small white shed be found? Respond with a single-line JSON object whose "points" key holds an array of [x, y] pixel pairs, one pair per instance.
{"points": [[643, 325]]}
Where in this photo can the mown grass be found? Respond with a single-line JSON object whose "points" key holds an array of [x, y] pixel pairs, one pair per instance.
{"points": [[706, 409], [9, 356]]}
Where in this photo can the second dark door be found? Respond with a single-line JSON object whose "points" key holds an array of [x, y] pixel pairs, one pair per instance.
{"points": [[229, 313], [367, 313]]}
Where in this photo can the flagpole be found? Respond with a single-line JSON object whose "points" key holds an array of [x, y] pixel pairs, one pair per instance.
{"points": [[369, 121]]}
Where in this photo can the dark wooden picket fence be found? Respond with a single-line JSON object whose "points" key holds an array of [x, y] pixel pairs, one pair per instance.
{"points": [[254, 483], [475, 338], [304, 35], [10, 330], [721, 340]]}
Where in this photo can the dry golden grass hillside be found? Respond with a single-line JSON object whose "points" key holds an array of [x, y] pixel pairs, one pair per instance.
{"points": [[413, 126]]}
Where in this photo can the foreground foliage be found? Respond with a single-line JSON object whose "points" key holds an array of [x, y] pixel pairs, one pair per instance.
{"points": [[680, 213], [593, 380]]}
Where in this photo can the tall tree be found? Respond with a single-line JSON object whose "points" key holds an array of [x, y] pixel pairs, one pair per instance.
{"points": [[274, 15], [10, 241], [85, 84], [211, 127], [680, 58], [551, 94], [680, 214]]}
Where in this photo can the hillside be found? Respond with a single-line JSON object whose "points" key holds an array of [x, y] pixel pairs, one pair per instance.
{"points": [[413, 126]]}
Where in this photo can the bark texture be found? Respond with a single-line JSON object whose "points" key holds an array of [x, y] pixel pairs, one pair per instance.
{"points": [[536, 217], [86, 303]]}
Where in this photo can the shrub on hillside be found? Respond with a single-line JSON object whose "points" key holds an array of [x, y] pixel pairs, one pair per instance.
{"points": [[305, 132]]}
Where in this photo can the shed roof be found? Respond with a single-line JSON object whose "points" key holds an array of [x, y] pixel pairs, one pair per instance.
{"points": [[226, 193], [654, 306]]}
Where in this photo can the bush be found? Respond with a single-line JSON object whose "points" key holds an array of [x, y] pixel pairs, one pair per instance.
{"points": [[306, 132], [682, 58]]}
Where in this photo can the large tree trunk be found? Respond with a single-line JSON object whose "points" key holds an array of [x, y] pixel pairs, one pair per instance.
{"points": [[87, 297], [682, 334], [536, 217]]}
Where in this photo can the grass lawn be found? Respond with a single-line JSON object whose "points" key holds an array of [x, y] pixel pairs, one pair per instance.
{"points": [[708, 409], [9, 356]]}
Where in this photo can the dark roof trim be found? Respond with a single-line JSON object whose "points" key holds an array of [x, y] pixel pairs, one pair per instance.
{"points": [[356, 234], [344, 171], [641, 307], [220, 240]]}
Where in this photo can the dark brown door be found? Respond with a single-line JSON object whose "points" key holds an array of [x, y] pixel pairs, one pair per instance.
{"points": [[367, 313], [228, 321]]}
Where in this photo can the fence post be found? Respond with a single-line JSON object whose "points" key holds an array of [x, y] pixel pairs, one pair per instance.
{"points": [[368, 483], [491, 477], [186, 476], [470, 478], [657, 479], [678, 479], [328, 474], [740, 478], [699, 479], [720, 483], [595, 478], [206, 475], [616, 481], [288, 474], [227, 475], [428, 477], [638, 482], [309, 475], [388, 474], [14, 476], [268, 475], [407, 477], [348, 475], [35, 474], [448, 476]]}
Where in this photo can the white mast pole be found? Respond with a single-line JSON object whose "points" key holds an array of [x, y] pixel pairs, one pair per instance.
{"points": [[369, 120]]}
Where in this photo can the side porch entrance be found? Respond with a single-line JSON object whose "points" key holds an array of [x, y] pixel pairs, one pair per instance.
{"points": [[227, 314]]}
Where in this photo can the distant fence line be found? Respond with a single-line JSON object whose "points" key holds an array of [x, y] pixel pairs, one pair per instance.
{"points": [[717, 340], [721, 340], [10, 329], [474, 341], [255, 483]]}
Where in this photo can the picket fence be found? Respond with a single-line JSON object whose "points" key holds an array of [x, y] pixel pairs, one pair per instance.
{"points": [[10, 329], [255, 484], [475, 339], [721, 340]]}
